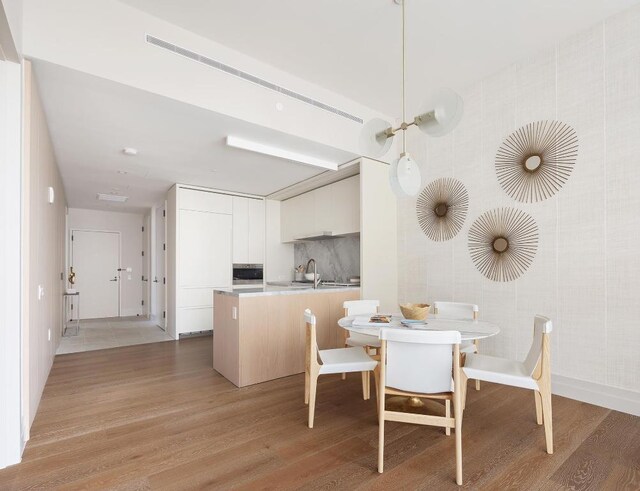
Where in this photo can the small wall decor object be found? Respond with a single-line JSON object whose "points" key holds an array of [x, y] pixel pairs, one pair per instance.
{"points": [[442, 208], [536, 160], [503, 243]]}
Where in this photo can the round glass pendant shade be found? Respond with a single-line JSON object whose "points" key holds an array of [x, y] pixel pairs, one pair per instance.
{"points": [[405, 177], [373, 141], [442, 113]]}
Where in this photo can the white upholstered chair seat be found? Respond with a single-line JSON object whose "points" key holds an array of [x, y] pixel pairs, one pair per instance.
{"points": [[499, 371], [345, 360]]}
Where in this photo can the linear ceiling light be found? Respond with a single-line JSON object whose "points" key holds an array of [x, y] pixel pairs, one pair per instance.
{"points": [[235, 142]]}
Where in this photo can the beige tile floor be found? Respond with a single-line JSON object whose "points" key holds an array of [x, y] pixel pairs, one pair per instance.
{"points": [[110, 333]]}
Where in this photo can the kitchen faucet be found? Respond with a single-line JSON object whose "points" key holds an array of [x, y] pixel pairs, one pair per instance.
{"points": [[316, 281]]}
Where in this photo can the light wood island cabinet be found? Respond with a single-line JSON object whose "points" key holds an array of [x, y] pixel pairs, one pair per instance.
{"points": [[259, 334]]}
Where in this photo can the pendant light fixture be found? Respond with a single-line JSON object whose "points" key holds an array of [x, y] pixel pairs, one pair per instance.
{"points": [[442, 112]]}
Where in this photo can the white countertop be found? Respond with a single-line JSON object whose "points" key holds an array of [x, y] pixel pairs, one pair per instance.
{"points": [[283, 290]]}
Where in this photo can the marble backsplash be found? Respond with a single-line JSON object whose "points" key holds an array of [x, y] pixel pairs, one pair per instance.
{"points": [[337, 259]]}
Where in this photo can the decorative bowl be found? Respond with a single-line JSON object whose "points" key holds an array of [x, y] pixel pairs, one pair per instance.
{"points": [[415, 311]]}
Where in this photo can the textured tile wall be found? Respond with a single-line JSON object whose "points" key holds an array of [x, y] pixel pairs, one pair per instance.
{"points": [[586, 274]]}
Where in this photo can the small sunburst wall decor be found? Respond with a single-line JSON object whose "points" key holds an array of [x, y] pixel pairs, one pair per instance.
{"points": [[503, 243], [536, 160], [442, 208]]}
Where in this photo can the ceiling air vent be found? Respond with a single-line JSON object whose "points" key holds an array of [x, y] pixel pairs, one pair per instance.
{"points": [[248, 77], [112, 197]]}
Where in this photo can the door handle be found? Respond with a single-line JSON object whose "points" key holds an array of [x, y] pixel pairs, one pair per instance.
{"points": [[155, 280], [115, 279]]}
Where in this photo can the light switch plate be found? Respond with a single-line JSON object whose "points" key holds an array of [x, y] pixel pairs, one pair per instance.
{"points": [[234, 312]]}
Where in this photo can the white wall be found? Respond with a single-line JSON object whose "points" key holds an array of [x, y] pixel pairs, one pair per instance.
{"points": [[13, 13], [113, 47], [130, 227], [43, 250], [585, 275], [378, 242], [10, 258], [278, 256]]}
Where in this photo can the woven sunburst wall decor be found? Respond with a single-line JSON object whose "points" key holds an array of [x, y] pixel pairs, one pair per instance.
{"points": [[442, 208], [535, 161], [503, 243]]}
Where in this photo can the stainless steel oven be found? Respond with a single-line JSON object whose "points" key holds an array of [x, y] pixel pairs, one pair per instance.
{"points": [[247, 274]]}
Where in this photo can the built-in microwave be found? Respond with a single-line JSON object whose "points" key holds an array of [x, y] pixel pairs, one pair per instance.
{"points": [[247, 274]]}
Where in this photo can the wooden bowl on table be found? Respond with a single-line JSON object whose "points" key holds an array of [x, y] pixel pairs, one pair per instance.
{"points": [[415, 311]]}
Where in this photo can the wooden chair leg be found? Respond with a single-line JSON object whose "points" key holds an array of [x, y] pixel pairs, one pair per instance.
{"points": [[365, 379], [545, 393], [476, 343], [447, 413], [463, 385], [381, 434], [457, 414], [313, 385], [375, 381], [306, 387], [538, 399]]}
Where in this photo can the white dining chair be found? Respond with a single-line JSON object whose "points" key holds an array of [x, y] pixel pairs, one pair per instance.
{"points": [[420, 364], [369, 343], [458, 310], [534, 373], [322, 362]]}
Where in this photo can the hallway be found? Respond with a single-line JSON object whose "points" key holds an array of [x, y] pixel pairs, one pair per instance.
{"points": [[113, 332]]}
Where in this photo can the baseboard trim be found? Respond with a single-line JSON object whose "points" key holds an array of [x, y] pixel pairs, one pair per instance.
{"points": [[623, 400]]}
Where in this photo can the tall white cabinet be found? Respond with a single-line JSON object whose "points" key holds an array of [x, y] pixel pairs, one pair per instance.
{"points": [[248, 230], [199, 256]]}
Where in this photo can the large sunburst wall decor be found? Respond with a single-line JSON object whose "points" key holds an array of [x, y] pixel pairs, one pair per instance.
{"points": [[503, 243], [442, 208], [535, 161]]}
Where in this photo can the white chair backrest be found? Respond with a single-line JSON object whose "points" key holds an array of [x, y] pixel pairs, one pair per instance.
{"points": [[541, 325], [419, 361], [357, 307], [310, 326], [456, 310]]}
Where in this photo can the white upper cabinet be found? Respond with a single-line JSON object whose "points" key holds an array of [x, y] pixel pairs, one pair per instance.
{"points": [[248, 230], [195, 199], [334, 208]]}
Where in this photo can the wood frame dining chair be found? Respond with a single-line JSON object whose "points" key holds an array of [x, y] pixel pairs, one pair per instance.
{"points": [[419, 364], [321, 362], [360, 307], [459, 310], [534, 373]]}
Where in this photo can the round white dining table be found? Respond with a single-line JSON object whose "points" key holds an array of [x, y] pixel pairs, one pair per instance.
{"points": [[469, 329]]}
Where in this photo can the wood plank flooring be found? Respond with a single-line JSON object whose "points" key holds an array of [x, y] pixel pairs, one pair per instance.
{"points": [[157, 416]]}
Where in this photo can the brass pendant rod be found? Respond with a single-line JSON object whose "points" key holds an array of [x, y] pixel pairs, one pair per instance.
{"points": [[404, 116]]}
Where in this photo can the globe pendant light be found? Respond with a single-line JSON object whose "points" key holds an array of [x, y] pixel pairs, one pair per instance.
{"points": [[443, 111]]}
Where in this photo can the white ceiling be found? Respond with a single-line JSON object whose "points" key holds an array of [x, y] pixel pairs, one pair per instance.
{"points": [[91, 120], [353, 46]]}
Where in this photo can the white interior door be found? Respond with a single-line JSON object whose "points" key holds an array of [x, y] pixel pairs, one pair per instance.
{"points": [[95, 257], [159, 276]]}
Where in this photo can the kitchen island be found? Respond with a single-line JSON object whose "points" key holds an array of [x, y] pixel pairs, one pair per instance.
{"points": [[259, 333]]}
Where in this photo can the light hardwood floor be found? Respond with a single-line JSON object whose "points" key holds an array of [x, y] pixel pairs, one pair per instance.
{"points": [[156, 416]]}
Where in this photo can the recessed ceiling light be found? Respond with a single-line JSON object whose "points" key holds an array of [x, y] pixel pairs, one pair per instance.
{"points": [[130, 151], [112, 197], [122, 172], [279, 106]]}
